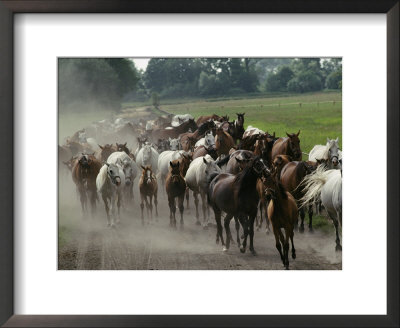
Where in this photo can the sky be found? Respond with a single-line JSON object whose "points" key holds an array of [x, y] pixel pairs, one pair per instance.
{"points": [[141, 63]]}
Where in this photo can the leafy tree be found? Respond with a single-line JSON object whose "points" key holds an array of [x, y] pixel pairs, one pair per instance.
{"points": [[305, 81], [279, 80], [155, 99], [334, 80]]}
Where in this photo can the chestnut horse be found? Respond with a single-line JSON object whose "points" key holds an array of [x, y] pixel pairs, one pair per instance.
{"points": [[204, 150], [214, 117], [236, 195], [282, 213], [148, 189], [289, 145], [236, 129], [291, 176], [84, 175], [223, 142], [175, 186]]}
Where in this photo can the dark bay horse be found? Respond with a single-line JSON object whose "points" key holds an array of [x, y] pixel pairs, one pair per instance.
{"points": [[236, 195], [223, 142], [84, 175], [174, 132], [291, 176], [289, 145], [236, 129], [148, 189], [236, 161], [282, 213], [188, 139], [175, 186]]}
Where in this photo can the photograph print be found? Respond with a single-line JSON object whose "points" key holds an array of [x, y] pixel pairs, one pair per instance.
{"points": [[200, 163]]}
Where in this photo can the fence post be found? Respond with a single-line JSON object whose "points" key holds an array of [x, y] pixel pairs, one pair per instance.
{"points": [[300, 104]]}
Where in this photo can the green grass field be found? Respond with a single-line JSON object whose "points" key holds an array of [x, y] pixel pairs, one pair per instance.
{"points": [[317, 115]]}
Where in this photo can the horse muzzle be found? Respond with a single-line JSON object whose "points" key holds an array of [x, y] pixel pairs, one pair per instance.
{"points": [[128, 182], [117, 181]]}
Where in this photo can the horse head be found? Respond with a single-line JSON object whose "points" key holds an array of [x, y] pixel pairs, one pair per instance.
{"points": [[114, 174], [173, 144], [240, 119], [294, 145], [147, 174], [123, 148], [175, 171], [333, 151]]}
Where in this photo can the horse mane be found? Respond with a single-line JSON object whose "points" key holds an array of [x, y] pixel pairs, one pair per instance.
{"points": [[211, 177], [202, 129], [101, 177], [327, 147]]}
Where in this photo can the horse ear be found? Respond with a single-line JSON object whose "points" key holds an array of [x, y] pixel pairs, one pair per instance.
{"points": [[107, 164], [170, 164], [288, 134], [238, 160], [101, 147], [337, 139], [298, 133], [143, 168], [205, 161], [93, 153], [327, 139]]}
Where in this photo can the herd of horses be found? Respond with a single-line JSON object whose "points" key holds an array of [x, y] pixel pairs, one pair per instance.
{"points": [[237, 173]]}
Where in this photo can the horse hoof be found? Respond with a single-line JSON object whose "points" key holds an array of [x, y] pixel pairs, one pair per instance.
{"points": [[224, 249], [242, 249], [242, 236], [301, 229], [338, 248], [217, 241], [311, 230], [253, 251], [258, 229], [286, 267], [205, 227], [267, 232], [293, 256], [198, 223]]}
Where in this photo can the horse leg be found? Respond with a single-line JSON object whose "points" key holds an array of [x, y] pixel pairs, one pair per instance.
{"points": [[119, 202], [277, 241], [302, 215], [196, 203], [172, 209], [107, 209], [82, 196], [251, 232], [286, 248], [187, 197], [181, 200], [146, 199], [267, 228], [156, 204], [336, 224], [151, 207], [259, 223], [237, 227], [282, 240], [112, 203], [293, 249], [204, 208], [227, 221], [310, 215], [217, 214], [243, 221], [142, 205]]}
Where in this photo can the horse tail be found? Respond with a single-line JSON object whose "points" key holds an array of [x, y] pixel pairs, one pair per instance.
{"points": [[101, 178], [313, 184]]}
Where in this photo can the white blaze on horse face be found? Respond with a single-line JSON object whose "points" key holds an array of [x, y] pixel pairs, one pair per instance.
{"points": [[148, 174]]}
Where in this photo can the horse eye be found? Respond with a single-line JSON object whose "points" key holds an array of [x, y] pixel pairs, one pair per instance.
{"points": [[111, 171]]}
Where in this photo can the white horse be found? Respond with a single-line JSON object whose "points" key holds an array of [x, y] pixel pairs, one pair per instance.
{"points": [[109, 183], [130, 170], [330, 153], [325, 185], [251, 130], [147, 155], [207, 141], [196, 180]]}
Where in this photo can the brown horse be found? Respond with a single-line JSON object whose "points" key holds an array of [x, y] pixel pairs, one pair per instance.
{"points": [[289, 145], [188, 140], [223, 142], [201, 119], [105, 151], [236, 161], [236, 128], [236, 195], [279, 162], [175, 186], [148, 189], [291, 176], [282, 213], [203, 151], [84, 175], [174, 132]]}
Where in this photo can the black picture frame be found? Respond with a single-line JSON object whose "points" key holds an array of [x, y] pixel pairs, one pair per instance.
{"points": [[10, 7]]}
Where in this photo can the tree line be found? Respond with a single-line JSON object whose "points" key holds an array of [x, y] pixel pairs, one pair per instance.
{"points": [[110, 81]]}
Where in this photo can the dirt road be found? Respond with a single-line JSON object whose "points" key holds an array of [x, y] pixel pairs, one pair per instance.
{"points": [[89, 245]]}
